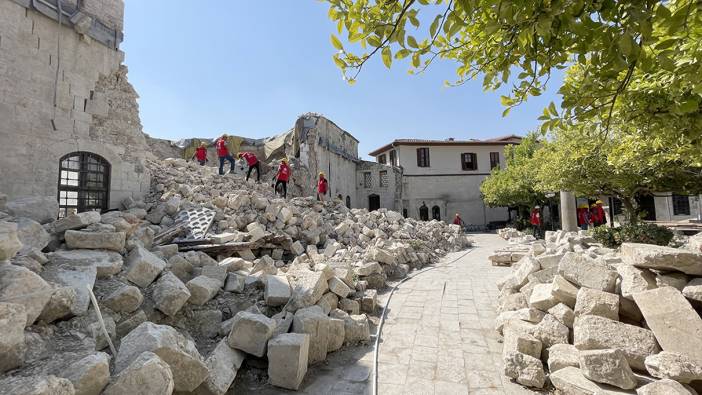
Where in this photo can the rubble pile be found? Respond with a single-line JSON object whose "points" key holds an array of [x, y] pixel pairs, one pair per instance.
{"points": [[518, 247], [281, 283], [594, 320]]}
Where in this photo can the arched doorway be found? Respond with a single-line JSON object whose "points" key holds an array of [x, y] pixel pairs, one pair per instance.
{"points": [[84, 183], [373, 202], [424, 212], [436, 213], [348, 201]]}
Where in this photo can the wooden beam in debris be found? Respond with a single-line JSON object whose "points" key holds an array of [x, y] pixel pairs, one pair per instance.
{"points": [[167, 235], [221, 249]]}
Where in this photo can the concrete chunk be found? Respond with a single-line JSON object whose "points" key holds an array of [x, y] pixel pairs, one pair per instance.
{"points": [[78, 239], [664, 387], [13, 318], [223, 365], [202, 289], [676, 325], [675, 366], [148, 374], [527, 370], [107, 263], [570, 380], [339, 287], [124, 299], [542, 297], [561, 356], [89, 375], [307, 288], [550, 331], [595, 302], [143, 266], [60, 305], [356, 329], [563, 314], [635, 280], [250, 333], [170, 294], [235, 283], [591, 332], [607, 366], [662, 258], [22, 286], [288, 360], [277, 291], [314, 322], [584, 272], [80, 278], [564, 291]]}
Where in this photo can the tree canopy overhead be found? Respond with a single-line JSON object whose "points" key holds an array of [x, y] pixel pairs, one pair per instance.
{"points": [[654, 45]]}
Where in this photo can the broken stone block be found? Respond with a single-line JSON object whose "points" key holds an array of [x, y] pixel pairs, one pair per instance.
{"points": [[662, 258], [548, 261], [143, 266], [550, 331], [147, 374], [89, 375], [250, 332], [297, 248], [124, 299], [591, 332], [235, 283], [352, 307], [514, 341], [314, 322], [32, 235], [368, 269], [202, 289], [564, 291], [288, 360], [36, 385], [22, 286], [181, 267], [331, 249], [607, 366], [106, 263], [78, 239], [563, 314], [129, 323], [9, 242], [584, 272], [542, 297], [307, 288], [256, 231], [664, 387], [635, 280], [516, 301], [217, 272], [561, 356], [595, 302], [672, 279], [173, 348], [693, 290], [283, 322], [13, 319], [60, 305], [77, 277], [265, 264], [675, 366], [519, 277], [336, 334], [223, 364], [525, 369], [43, 209], [369, 301], [328, 302], [277, 291], [356, 329], [170, 294], [570, 380], [675, 324], [339, 287], [75, 221], [95, 331], [247, 255]]}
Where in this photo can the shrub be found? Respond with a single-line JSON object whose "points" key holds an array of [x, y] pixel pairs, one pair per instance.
{"points": [[639, 233]]}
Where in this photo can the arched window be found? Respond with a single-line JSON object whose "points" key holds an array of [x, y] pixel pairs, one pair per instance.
{"points": [[436, 213], [424, 212], [84, 183], [348, 201]]}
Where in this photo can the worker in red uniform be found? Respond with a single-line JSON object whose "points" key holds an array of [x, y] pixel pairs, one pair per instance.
{"points": [[282, 177], [223, 154], [535, 220], [597, 214], [583, 216], [253, 163], [201, 154], [322, 186], [457, 220]]}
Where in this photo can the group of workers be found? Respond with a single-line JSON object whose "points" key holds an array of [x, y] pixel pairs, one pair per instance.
{"points": [[280, 179], [593, 215]]}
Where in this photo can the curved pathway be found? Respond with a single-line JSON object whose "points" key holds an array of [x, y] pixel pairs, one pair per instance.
{"points": [[439, 335]]}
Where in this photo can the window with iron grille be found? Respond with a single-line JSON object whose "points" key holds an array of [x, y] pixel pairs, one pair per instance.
{"points": [[367, 180], [381, 159], [681, 205], [422, 157], [84, 183], [469, 161], [383, 177], [393, 158], [494, 160]]}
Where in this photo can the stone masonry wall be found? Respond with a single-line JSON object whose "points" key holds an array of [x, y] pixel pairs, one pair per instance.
{"points": [[96, 107]]}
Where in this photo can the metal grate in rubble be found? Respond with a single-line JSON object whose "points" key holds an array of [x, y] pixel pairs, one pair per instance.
{"points": [[198, 221]]}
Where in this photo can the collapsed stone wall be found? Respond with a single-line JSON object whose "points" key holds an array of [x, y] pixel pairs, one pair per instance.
{"points": [[597, 320], [95, 111]]}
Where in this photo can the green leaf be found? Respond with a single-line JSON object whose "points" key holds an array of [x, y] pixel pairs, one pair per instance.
{"points": [[336, 43], [434, 26], [387, 56], [412, 42], [506, 111], [552, 109], [415, 59], [401, 54], [339, 62], [506, 100]]}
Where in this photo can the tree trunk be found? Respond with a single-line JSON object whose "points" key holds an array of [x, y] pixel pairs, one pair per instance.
{"points": [[630, 213]]}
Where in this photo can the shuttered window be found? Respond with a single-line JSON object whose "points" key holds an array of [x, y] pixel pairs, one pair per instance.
{"points": [[422, 157], [469, 161]]}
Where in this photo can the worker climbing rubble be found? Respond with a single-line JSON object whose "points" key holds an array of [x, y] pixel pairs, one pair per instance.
{"points": [[322, 186], [252, 162], [201, 154], [281, 177], [223, 154]]}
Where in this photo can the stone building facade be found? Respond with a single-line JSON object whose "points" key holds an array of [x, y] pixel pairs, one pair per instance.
{"points": [[378, 185], [69, 117], [442, 177]]}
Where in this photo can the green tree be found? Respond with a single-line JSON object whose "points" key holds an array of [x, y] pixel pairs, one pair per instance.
{"points": [[514, 185], [613, 44]]}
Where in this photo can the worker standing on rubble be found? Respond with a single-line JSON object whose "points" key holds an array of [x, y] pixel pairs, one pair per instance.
{"points": [[535, 220], [253, 163], [282, 177], [322, 186], [223, 154], [201, 154]]}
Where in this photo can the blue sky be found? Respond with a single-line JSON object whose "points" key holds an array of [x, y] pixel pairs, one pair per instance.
{"points": [[250, 68]]}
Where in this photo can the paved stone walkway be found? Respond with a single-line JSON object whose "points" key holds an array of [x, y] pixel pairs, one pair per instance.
{"points": [[439, 335]]}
